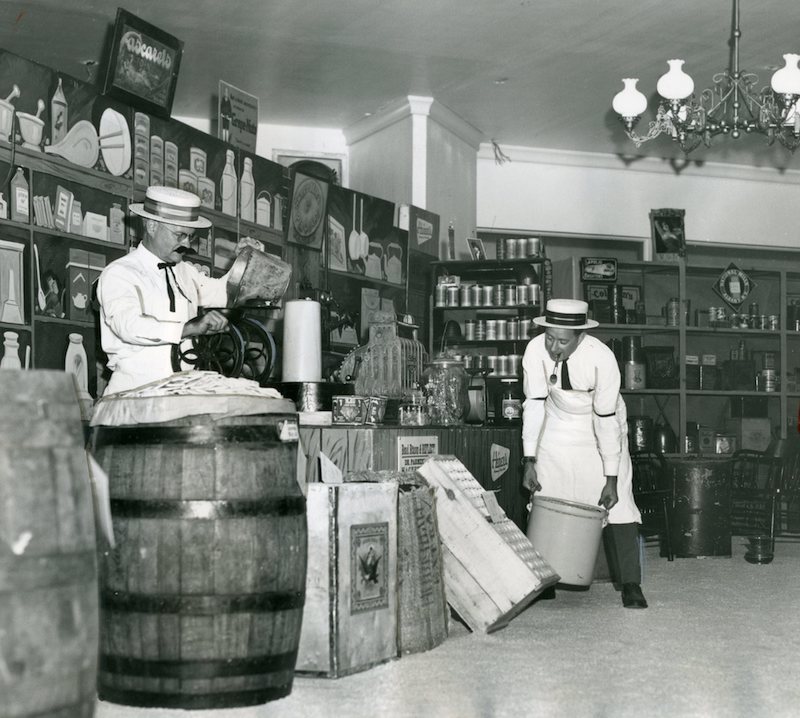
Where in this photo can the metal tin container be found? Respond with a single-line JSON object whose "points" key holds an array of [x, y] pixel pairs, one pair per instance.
{"points": [[501, 329], [525, 328], [512, 328], [491, 330], [469, 330], [475, 295], [514, 363], [502, 365], [441, 295], [522, 247], [466, 295], [452, 296], [480, 330], [511, 248], [534, 294], [497, 295], [510, 295], [534, 247], [774, 322], [486, 300], [500, 248], [672, 312], [491, 362]]}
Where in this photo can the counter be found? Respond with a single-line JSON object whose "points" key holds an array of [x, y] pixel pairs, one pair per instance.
{"points": [[491, 454]]}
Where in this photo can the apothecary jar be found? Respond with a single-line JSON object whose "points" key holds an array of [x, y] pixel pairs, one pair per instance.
{"points": [[445, 383]]}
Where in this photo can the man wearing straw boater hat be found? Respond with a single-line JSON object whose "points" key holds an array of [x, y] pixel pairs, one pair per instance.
{"points": [[150, 297], [574, 433]]}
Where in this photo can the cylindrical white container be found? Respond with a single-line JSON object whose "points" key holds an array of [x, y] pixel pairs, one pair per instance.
{"points": [[302, 341]]}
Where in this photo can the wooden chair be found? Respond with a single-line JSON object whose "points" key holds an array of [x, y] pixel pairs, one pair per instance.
{"points": [[787, 520], [755, 487], [653, 495]]}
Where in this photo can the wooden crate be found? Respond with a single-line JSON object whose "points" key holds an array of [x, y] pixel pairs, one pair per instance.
{"points": [[423, 615], [491, 570], [350, 615]]}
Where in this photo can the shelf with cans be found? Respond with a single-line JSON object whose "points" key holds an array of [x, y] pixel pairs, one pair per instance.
{"points": [[482, 310]]}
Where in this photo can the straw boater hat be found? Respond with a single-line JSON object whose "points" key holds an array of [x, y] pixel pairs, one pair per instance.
{"points": [[566, 314], [171, 206]]}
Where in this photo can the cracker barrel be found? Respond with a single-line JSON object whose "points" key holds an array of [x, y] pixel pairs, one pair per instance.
{"points": [[202, 598], [48, 577]]}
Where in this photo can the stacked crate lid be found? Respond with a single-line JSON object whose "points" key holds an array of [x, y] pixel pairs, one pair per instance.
{"points": [[492, 571]]}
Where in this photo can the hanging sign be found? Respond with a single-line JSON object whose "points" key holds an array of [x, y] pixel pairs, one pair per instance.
{"points": [[734, 286], [237, 120]]}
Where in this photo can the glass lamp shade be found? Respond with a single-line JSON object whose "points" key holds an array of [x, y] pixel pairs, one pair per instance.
{"points": [[675, 84], [629, 102], [786, 81]]}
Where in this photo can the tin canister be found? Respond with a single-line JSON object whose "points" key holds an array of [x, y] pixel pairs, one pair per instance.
{"points": [[534, 294], [469, 330], [466, 295], [475, 295], [511, 248], [452, 296], [523, 291], [491, 362], [510, 295], [481, 361], [672, 312], [525, 328], [514, 363], [522, 247], [774, 322], [512, 328], [534, 247], [491, 330], [480, 330], [502, 325], [441, 295], [769, 380], [500, 248], [498, 296], [502, 365], [486, 290]]}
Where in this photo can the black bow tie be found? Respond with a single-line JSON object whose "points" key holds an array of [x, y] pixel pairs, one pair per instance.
{"points": [[168, 269]]}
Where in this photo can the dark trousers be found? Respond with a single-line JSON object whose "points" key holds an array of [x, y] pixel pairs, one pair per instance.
{"points": [[621, 543]]}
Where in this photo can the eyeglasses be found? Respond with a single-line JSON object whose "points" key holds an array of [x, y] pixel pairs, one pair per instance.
{"points": [[190, 237]]}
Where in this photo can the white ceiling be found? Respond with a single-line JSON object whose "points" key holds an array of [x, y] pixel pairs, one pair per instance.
{"points": [[327, 63]]}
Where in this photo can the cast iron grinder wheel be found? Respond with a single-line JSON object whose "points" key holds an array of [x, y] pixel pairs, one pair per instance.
{"points": [[223, 353], [259, 351]]}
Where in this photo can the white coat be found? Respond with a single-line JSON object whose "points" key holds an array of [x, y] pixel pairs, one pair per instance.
{"points": [[579, 435]]}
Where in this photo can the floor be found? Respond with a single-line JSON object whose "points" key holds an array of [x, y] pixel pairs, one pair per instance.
{"points": [[719, 640]]}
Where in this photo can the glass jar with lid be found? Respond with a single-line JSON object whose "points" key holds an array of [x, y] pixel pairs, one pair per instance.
{"points": [[445, 383]]}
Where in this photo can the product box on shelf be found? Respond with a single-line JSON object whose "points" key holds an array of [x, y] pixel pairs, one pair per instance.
{"points": [[738, 374], [79, 288], [750, 433]]}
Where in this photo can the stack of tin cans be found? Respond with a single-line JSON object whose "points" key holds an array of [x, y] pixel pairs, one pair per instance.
{"points": [[519, 247], [503, 294]]}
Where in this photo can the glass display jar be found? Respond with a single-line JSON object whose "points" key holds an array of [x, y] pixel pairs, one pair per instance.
{"points": [[445, 383]]}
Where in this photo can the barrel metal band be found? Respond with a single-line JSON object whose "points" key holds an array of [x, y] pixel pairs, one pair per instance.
{"points": [[198, 435], [180, 668], [173, 509], [202, 604], [191, 701]]}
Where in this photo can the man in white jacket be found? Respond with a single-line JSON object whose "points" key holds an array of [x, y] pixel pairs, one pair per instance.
{"points": [[149, 299], [574, 434]]}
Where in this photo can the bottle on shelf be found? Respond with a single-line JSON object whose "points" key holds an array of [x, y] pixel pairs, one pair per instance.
{"points": [[116, 224], [247, 191], [229, 186], [451, 241], [58, 115], [10, 358], [20, 196]]}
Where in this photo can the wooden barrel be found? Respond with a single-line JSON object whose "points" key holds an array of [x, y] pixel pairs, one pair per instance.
{"points": [[48, 577], [701, 524], [202, 598]]}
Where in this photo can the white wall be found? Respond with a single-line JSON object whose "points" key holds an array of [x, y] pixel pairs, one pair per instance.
{"points": [[380, 162], [598, 194]]}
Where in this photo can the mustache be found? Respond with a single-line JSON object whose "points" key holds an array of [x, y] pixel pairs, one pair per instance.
{"points": [[185, 250]]}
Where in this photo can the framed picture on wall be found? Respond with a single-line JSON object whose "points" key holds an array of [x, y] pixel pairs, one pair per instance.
{"points": [[476, 248], [303, 161], [667, 232], [143, 64]]}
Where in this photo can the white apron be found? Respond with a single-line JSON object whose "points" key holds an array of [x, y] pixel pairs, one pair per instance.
{"points": [[568, 463]]}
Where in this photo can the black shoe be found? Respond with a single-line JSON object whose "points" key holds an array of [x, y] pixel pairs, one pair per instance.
{"points": [[632, 596]]}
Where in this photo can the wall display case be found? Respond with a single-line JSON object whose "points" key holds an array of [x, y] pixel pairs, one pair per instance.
{"points": [[722, 376], [483, 310]]}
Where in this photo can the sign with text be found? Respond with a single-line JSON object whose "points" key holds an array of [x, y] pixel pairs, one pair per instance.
{"points": [[413, 450], [237, 121], [498, 459]]}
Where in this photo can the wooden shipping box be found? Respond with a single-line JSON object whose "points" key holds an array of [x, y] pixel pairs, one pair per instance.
{"points": [[751, 433], [491, 570], [350, 614]]}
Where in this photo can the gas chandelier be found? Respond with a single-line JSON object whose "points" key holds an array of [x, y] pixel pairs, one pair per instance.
{"points": [[732, 106]]}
